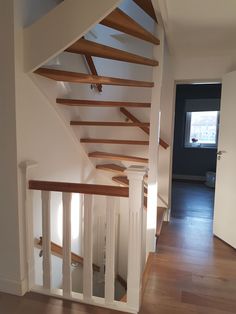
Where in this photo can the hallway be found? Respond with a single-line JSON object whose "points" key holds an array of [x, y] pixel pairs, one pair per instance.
{"points": [[193, 272]]}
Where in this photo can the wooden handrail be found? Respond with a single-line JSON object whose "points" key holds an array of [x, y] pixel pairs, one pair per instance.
{"points": [[122, 281], [58, 251], [93, 70], [106, 190]]}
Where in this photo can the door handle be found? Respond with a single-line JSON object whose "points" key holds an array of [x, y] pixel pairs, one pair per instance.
{"points": [[220, 153]]}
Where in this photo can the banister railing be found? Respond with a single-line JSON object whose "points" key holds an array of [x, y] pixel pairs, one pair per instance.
{"points": [[136, 239], [94, 189], [57, 250]]}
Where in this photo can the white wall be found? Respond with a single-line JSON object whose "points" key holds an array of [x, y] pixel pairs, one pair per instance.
{"points": [[203, 68], [167, 126], [44, 137], [10, 280], [34, 9]]}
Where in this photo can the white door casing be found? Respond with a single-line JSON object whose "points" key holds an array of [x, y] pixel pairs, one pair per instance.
{"points": [[225, 195]]}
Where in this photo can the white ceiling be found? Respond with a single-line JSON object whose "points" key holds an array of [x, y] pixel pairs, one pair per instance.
{"points": [[199, 27]]}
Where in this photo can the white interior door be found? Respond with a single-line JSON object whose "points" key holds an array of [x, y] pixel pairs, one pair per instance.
{"points": [[225, 196]]}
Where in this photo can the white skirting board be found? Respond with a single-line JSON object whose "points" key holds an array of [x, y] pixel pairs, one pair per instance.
{"points": [[189, 178], [13, 286]]}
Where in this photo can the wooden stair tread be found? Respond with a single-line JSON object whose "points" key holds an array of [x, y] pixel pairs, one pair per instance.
{"points": [[146, 6], [112, 141], [131, 117], [111, 167], [104, 155], [108, 123], [124, 23], [87, 47], [160, 218], [101, 103], [74, 77], [123, 180]]}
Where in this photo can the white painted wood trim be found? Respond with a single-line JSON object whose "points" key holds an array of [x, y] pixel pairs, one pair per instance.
{"points": [[153, 143], [61, 27], [46, 245], [78, 297], [136, 197], [25, 167], [66, 264], [88, 248], [110, 250], [144, 251]]}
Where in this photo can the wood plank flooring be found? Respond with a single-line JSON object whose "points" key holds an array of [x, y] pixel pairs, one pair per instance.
{"points": [[193, 272], [192, 199]]}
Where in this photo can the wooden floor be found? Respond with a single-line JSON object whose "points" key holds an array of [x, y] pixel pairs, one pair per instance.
{"points": [[193, 272], [192, 199]]}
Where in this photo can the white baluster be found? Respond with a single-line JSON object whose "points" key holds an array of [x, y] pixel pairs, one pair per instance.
{"points": [[46, 246], [88, 248], [110, 250], [136, 197], [66, 267]]}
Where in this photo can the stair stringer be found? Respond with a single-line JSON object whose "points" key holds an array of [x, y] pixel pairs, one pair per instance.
{"points": [[80, 17], [154, 136]]}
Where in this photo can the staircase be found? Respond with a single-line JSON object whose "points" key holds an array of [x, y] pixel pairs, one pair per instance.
{"points": [[113, 154], [120, 21]]}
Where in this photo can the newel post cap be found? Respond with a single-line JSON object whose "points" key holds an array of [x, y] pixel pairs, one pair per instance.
{"points": [[27, 164], [137, 172]]}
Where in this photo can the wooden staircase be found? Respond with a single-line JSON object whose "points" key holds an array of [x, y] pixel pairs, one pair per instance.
{"points": [[101, 103], [83, 46], [104, 155], [120, 21], [123, 23], [73, 77]]}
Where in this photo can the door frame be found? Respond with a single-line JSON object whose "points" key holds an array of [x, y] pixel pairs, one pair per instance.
{"points": [[178, 82]]}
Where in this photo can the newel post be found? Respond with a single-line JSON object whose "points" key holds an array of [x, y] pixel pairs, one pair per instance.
{"points": [[136, 206], [27, 205]]}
